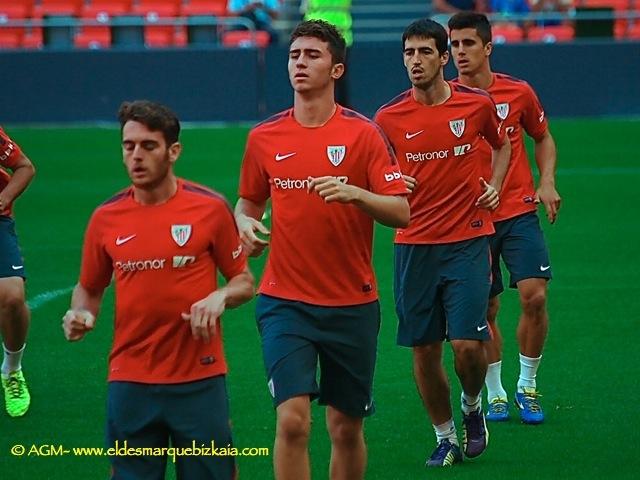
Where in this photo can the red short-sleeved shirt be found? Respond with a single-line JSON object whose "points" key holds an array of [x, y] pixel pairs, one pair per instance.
{"points": [[10, 153], [319, 253], [443, 147], [163, 259]]}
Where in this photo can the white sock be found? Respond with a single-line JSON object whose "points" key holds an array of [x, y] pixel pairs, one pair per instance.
{"points": [[12, 360], [446, 431], [493, 381], [470, 403], [528, 371]]}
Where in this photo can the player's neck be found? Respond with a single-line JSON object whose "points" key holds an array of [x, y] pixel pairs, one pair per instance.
{"points": [[435, 93], [314, 111], [482, 78], [157, 194]]}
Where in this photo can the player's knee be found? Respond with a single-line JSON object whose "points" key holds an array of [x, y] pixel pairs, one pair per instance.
{"points": [[534, 302], [427, 354], [345, 432], [492, 309], [293, 426], [12, 297], [468, 352]]}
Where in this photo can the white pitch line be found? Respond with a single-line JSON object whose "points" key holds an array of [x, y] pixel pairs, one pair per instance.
{"points": [[45, 297]]}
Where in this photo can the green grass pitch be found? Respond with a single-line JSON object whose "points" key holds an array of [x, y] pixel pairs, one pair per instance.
{"points": [[589, 376]]}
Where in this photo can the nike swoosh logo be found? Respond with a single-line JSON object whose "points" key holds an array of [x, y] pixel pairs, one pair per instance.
{"points": [[17, 267], [279, 157], [409, 136], [544, 269], [481, 328], [121, 240]]}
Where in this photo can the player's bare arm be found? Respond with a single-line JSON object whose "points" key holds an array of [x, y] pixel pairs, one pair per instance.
{"points": [[390, 210], [500, 164], [247, 214], [81, 316], [22, 174], [203, 315], [545, 153]]}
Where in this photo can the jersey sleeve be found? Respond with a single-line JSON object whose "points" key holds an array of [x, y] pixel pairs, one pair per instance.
{"points": [[227, 248], [533, 117], [254, 180], [10, 152], [491, 125], [96, 268], [383, 171]]}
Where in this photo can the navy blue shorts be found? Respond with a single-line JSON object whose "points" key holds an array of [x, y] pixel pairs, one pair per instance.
{"points": [[296, 336], [442, 291], [177, 415], [520, 243], [11, 262]]}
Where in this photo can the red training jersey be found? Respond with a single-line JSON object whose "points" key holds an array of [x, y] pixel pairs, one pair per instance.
{"points": [[442, 146], [320, 252], [163, 258], [10, 153], [519, 108]]}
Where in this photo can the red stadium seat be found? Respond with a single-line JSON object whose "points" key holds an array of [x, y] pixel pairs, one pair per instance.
{"points": [[12, 9], [112, 7], [615, 4], [155, 11], [551, 34], [33, 38], [94, 36], [11, 37], [244, 38], [507, 33], [217, 8], [57, 7], [634, 31]]}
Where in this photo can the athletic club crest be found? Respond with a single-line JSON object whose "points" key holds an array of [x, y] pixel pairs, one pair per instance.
{"points": [[336, 154], [503, 110], [181, 234], [457, 127]]}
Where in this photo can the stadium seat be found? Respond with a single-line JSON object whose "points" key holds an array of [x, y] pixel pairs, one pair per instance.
{"points": [[551, 34], [245, 39], [10, 9], [507, 33], [217, 8], [57, 7], [33, 38], [11, 37], [112, 7], [634, 31], [156, 11]]}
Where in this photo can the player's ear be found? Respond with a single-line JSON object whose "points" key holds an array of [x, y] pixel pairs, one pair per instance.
{"points": [[488, 48], [444, 58], [174, 152], [337, 71]]}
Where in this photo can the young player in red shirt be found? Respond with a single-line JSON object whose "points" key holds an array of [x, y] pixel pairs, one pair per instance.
{"points": [[163, 240], [329, 174], [518, 239], [14, 313], [442, 267]]}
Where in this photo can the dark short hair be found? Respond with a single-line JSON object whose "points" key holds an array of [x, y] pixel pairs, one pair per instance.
{"points": [[154, 116], [426, 28], [479, 21], [326, 32]]}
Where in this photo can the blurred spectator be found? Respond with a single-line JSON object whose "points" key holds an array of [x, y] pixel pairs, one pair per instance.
{"points": [[507, 7], [260, 12], [549, 6], [454, 6]]}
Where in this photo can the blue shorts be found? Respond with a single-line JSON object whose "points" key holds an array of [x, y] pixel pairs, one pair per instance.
{"points": [[442, 291], [184, 414], [11, 262], [296, 336], [520, 243]]}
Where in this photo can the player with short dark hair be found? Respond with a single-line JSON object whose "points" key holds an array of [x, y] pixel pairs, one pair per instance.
{"points": [[163, 240], [518, 239], [14, 313], [329, 173], [442, 261]]}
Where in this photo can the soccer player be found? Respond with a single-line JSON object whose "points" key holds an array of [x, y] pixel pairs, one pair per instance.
{"points": [[329, 173], [518, 238], [163, 239], [14, 313], [442, 261]]}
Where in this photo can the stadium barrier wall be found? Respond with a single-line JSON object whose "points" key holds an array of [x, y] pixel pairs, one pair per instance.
{"points": [[582, 79]]}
